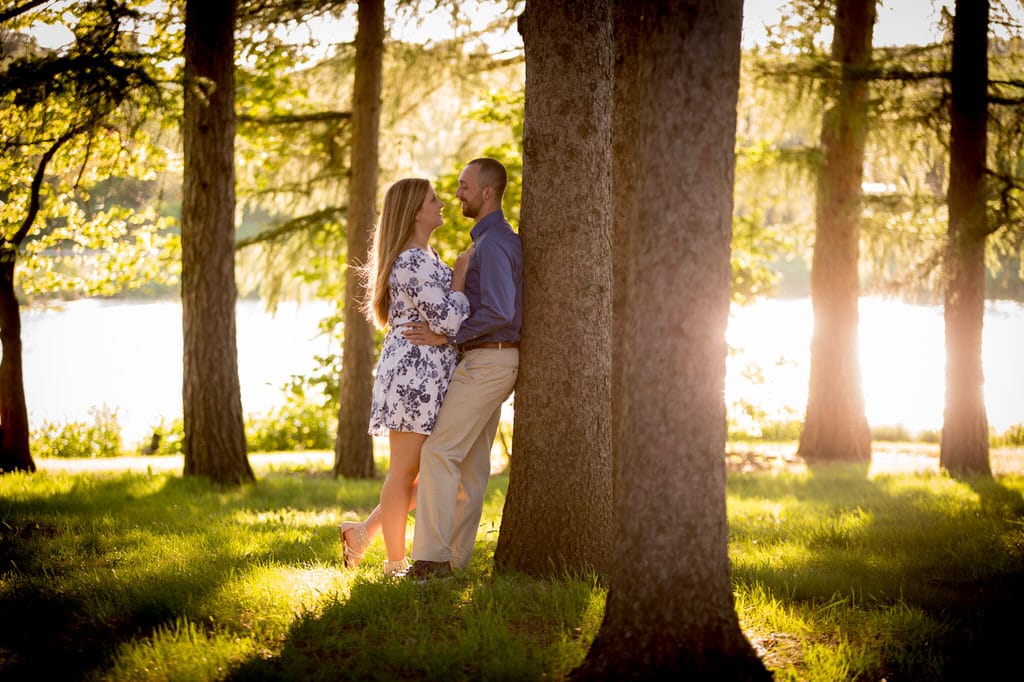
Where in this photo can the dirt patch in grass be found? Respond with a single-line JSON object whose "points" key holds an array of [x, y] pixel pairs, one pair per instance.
{"points": [[886, 458]]}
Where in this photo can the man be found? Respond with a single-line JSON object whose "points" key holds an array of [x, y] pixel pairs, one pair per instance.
{"points": [[455, 462]]}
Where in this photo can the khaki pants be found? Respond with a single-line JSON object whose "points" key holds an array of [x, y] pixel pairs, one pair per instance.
{"points": [[455, 462]]}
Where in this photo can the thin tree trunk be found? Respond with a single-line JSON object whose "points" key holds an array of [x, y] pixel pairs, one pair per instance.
{"points": [[670, 612], [560, 478], [214, 442], [15, 453], [353, 448], [964, 448], [14, 431], [835, 425]]}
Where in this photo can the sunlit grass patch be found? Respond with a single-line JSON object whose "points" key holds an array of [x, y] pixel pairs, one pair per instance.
{"points": [[841, 577], [181, 650], [264, 600]]}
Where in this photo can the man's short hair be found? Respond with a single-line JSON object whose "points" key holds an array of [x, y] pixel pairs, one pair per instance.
{"points": [[493, 173]]}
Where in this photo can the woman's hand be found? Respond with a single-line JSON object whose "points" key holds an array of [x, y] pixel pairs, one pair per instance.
{"points": [[419, 334], [461, 266]]}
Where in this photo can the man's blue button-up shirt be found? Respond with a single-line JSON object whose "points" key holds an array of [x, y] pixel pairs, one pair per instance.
{"points": [[494, 283]]}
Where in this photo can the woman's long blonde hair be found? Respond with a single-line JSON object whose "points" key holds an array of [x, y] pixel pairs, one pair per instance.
{"points": [[397, 220]]}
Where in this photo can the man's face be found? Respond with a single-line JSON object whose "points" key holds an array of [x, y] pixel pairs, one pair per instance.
{"points": [[470, 193]]}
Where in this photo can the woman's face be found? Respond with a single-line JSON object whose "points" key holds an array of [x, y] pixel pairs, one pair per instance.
{"points": [[429, 214]]}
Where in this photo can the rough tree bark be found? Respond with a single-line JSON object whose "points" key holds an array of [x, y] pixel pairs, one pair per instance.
{"points": [[835, 425], [670, 610], [964, 445], [624, 178], [561, 473], [353, 447], [214, 442], [14, 432]]}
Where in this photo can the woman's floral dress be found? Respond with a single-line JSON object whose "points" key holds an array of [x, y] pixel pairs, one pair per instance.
{"points": [[411, 380]]}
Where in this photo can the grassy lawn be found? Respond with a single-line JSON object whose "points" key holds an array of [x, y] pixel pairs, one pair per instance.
{"points": [[123, 570]]}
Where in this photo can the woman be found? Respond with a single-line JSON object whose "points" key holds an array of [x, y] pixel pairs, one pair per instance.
{"points": [[406, 282]]}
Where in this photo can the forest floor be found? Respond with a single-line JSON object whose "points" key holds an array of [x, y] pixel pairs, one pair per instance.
{"points": [[741, 457]]}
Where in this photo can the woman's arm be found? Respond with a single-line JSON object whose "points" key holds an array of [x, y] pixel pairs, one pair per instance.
{"points": [[426, 283]]}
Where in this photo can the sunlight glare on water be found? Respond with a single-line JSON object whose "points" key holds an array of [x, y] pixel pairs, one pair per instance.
{"points": [[127, 355], [902, 359]]}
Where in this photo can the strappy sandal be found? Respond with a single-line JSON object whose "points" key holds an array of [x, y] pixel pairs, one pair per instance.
{"points": [[351, 556], [396, 569]]}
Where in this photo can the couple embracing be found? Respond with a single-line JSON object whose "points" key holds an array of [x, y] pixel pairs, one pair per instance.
{"points": [[449, 361]]}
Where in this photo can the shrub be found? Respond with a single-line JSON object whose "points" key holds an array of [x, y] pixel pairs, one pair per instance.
{"points": [[166, 438], [893, 433], [782, 430], [1012, 437], [298, 425], [101, 438]]}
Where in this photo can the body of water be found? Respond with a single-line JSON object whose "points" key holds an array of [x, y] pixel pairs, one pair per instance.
{"points": [[127, 356], [902, 360]]}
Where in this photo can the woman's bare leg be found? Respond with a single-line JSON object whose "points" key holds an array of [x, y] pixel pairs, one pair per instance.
{"points": [[374, 522], [398, 495]]}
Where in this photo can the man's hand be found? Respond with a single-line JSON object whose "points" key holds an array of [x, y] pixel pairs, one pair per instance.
{"points": [[419, 334]]}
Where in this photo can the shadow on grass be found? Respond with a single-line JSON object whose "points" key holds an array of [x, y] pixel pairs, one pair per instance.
{"points": [[951, 550], [468, 627], [110, 559]]}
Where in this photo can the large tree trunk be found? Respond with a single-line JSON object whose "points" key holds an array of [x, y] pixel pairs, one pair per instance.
{"points": [[561, 471], [670, 612], [14, 433], [353, 448], [964, 448], [835, 425], [214, 441], [626, 16]]}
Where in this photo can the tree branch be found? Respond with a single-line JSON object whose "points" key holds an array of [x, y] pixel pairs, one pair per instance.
{"points": [[290, 119], [289, 227], [13, 12], [1010, 184], [1006, 101], [908, 76], [37, 184], [1011, 83]]}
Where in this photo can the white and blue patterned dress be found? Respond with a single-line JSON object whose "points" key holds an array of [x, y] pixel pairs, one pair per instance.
{"points": [[411, 380]]}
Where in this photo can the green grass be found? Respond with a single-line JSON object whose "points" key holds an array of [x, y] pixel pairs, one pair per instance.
{"points": [[123, 575]]}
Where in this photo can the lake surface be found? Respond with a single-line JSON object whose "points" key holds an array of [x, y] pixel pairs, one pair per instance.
{"points": [[902, 360], [127, 356]]}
